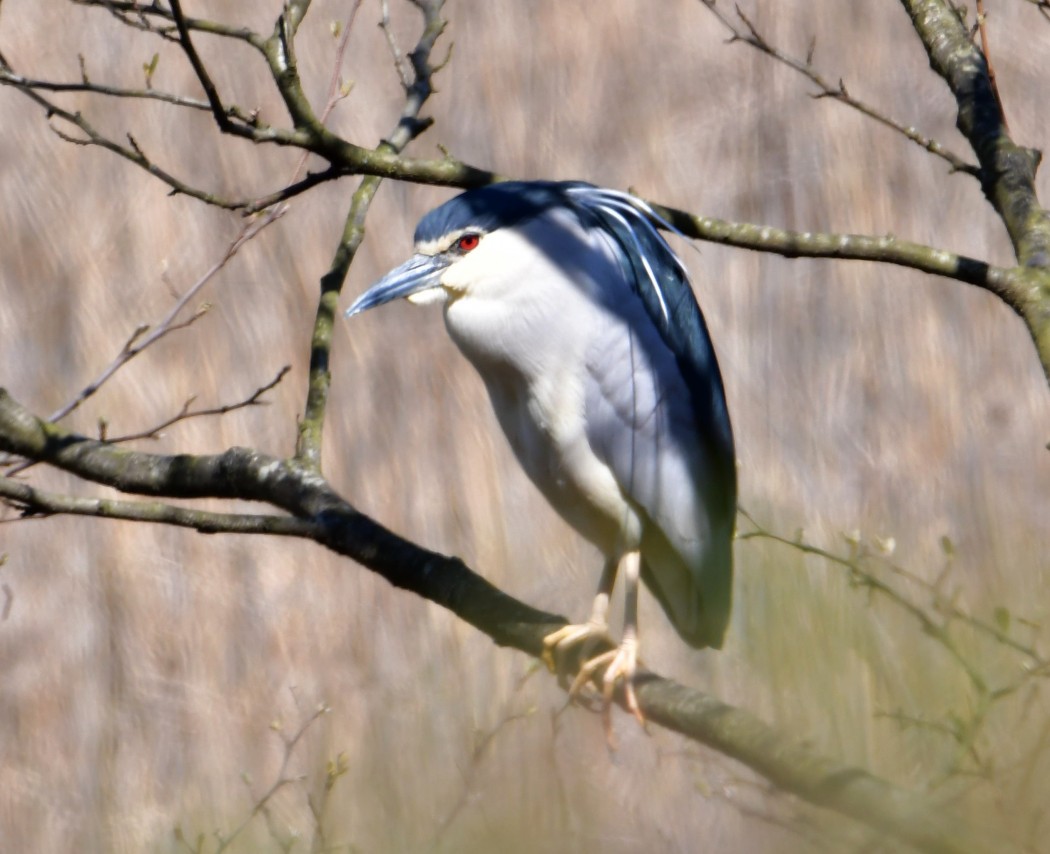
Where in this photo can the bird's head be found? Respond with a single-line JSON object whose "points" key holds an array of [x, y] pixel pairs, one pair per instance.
{"points": [[461, 244], [478, 240]]}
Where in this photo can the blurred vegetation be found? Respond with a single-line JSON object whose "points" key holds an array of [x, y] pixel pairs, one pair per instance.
{"points": [[891, 606]]}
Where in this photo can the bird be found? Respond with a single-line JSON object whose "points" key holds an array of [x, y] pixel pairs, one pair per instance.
{"points": [[583, 325]]}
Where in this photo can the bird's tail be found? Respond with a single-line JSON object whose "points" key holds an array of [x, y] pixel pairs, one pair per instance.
{"points": [[698, 601]]}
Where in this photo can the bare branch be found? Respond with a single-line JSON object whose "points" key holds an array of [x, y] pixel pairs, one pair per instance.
{"points": [[1007, 170], [10, 78], [837, 92], [409, 126], [129, 152], [218, 111], [395, 51], [1006, 283], [33, 502], [868, 569], [141, 16], [141, 339], [185, 414], [312, 179], [511, 713], [337, 525], [280, 781], [982, 27]]}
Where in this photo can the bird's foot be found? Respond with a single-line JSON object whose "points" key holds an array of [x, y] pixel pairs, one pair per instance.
{"points": [[559, 643], [620, 663]]}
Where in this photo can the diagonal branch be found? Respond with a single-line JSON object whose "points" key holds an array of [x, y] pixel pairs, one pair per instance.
{"points": [[144, 337], [1007, 169], [334, 523], [837, 92], [212, 94], [185, 413]]}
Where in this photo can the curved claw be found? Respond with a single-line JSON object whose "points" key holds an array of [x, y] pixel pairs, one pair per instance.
{"points": [[619, 663], [558, 642]]}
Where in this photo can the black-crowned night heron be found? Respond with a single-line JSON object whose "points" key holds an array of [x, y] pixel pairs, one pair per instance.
{"points": [[582, 323]]}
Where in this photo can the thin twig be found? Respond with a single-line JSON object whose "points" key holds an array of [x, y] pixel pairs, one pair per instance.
{"points": [[409, 126], [37, 503], [395, 51], [281, 779], [837, 92], [482, 742], [965, 730], [9, 77], [982, 20], [142, 340], [140, 16], [185, 414]]}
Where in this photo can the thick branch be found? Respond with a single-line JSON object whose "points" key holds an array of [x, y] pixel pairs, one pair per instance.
{"points": [[1025, 289], [1007, 169], [335, 524]]}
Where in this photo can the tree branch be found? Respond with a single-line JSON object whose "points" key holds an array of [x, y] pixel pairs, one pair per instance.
{"points": [[409, 126], [1005, 283], [36, 502], [337, 525], [836, 92], [1007, 169], [145, 336], [185, 413], [140, 15]]}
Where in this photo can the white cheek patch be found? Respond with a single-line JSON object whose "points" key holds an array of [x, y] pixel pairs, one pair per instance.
{"points": [[484, 271], [436, 294]]}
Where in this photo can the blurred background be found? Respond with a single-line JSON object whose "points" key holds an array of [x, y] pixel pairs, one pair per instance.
{"points": [[150, 676]]}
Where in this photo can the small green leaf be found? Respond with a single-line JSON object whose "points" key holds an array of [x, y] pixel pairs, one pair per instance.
{"points": [[150, 67], [947, 546], [1002, 618]]}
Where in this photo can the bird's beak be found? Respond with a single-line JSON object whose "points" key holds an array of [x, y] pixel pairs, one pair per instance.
{"points": [[420, 273]]}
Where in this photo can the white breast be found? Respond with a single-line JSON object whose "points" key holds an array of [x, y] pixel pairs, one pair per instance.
{"points": [[530, 336]]}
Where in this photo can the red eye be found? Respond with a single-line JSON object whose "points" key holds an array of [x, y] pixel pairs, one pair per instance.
{"points": [[468, 242]]}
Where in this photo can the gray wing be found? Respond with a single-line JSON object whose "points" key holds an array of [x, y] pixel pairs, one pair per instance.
{"points": [[641, 423], [660, 420]]}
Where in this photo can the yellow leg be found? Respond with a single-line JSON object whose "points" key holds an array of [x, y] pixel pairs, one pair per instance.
{"points": [[594, 630], [620, 663]]}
